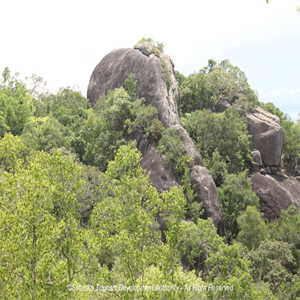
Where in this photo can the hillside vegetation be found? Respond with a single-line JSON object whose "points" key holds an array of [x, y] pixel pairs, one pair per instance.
{"points": [[79, 218]]}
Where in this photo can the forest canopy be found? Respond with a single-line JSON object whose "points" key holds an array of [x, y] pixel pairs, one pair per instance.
{"points": [[78, 212]]}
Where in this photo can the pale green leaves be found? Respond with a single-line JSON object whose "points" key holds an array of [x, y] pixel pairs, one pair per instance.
{"points": [[126, 226], [41, 244], [252, 228], [12, 153]]}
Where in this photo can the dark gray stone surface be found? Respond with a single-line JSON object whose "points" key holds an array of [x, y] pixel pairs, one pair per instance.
{"points": [[207, 194], [267, 135], [256, 157], [255, 166], [275, 193], [111, 73]]}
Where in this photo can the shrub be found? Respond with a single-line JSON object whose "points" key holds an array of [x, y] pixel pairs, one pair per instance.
{"points": [[235, 195], [226, 132], [171, 145], [155, 51], [252, 228]]}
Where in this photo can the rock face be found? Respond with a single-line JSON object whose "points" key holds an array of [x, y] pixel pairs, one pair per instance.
{"points": [[115, 68], [267, 136], [207, 190], [256, 157], [275, 193], [111, 73], [162, 176]]}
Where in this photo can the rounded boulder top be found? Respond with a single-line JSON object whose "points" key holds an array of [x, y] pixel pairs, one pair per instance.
{"points": [[153, 72]]}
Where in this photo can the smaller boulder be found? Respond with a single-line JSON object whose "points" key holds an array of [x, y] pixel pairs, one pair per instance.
{"points": [[256, 157], [275, 194], [263, 171], [268, 170], [223, 105], [255, 166], [274, 170], [284, 176], [267, 135], [144, 48]]}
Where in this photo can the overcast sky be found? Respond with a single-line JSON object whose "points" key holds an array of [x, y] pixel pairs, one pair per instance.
{"points": [[64, 40]]}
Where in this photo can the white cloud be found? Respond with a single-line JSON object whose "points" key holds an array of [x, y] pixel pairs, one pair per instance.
{"points": [[63, 41], [287, 100], [279, 93]]}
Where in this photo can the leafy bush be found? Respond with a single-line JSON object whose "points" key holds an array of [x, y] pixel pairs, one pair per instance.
{"points": [[229, 267], [166, 73], [144, 119], [117, 108], [226, 132], [180, 78], [195, 240], [195, 94], [171, 145], [159, 46], [45, 134], [41, 239], [252, 228], [213, 83], [287, 229], [130, 86], [217, 167], [143, 40], [124, 223], [270, 260], [65, 105], [15, 106], [155, 130], [155, 51], [13, 153], [235, 195]]}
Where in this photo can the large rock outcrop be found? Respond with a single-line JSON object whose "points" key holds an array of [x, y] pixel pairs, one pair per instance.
{"points": [[276, 193], [111, 73], [267, 136], [114, 69]]}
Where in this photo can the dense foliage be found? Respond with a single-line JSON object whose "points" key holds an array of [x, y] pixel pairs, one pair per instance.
{"points": [[78, 213], [220, 137], [213, 83]]}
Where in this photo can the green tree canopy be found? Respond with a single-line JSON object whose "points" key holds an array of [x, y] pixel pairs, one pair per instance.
{"points": [[213, 83], [15, 108], [41, 243], [252, 228], [225, 132], [235, 195]]}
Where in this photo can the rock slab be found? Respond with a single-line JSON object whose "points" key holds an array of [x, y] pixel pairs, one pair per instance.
{"points": [[267, 136], [207, 193], [276, 193]]}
